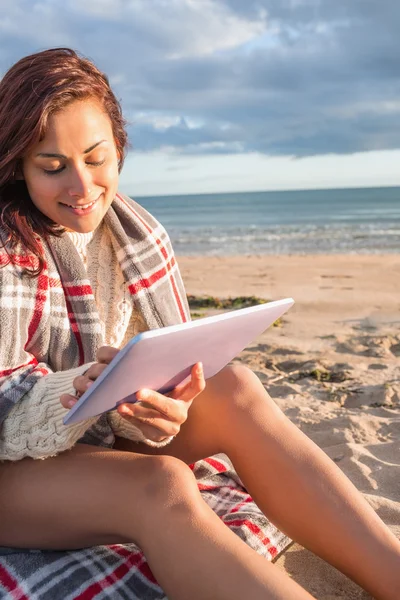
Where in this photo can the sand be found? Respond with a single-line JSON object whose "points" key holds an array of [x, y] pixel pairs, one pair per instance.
{"points": [[333, 367]]}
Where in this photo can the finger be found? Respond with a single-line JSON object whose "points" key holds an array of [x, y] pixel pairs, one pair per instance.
{"points": [[188, 391], [105, 354], [95, 371], [68, 401], [138, 410], [148, 415], [81, 384], [163, 404], [198, 381], [155, 429]]}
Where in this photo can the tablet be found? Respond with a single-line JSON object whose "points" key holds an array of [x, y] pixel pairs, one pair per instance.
{"points": [[160, 359]]}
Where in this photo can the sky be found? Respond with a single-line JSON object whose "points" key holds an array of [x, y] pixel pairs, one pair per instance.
{"points": [[236, 95]]}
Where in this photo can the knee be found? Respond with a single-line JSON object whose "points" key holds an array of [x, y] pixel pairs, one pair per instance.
{"points": [[168, 494], [169, 481], [236, 386]]}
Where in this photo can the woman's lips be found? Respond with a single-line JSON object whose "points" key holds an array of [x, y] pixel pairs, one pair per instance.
{"points": [[81, 209]]}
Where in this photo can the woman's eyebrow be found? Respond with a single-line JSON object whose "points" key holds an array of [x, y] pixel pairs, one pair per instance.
{"points": [[54, 155]]}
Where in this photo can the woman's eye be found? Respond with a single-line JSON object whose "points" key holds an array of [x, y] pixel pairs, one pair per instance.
{"points": [[97, 163], [90, 164], [53, 171]]}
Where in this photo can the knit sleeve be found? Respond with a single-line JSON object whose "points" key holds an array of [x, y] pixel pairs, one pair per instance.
{"points": [[30, 410], [34, 427], [123, 427]]}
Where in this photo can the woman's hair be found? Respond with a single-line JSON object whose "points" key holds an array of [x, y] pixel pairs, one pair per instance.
{"points": [[33, 89]]}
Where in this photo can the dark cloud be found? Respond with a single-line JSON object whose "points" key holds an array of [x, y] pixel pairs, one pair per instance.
{"points": [[304, 77]]}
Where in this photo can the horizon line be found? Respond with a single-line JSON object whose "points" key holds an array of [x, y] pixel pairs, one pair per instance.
{"points": [[279, 190]]}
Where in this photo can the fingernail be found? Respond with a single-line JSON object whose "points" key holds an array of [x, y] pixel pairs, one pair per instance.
{"points": [[89, 383], [71, 403], [143, 394], [200, 368], [125, 411]]}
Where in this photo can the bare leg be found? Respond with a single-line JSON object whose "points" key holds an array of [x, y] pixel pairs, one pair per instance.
{"points": [[90, 496], [295, 484]]}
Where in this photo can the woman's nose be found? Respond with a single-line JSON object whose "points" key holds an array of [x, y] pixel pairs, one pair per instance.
{"points": [[79, 185]]}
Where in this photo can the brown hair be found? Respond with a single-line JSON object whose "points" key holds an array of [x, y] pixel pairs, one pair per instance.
{"points": [[33, 89]]}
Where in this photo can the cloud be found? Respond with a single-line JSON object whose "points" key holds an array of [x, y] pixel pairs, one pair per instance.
{"points": [[287, 77]]}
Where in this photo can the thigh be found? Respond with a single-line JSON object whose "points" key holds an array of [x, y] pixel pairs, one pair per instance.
{"points": [[208, 426], [77, 499]]}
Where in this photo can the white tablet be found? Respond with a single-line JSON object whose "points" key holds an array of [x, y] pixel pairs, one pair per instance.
{"points": [[162, 358]]}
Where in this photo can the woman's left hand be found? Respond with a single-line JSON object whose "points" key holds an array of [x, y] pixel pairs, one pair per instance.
{"points": [[157, 416], [161, 416]]}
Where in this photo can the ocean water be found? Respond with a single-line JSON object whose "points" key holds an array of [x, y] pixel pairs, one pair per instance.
{"points": [[364, 221]]}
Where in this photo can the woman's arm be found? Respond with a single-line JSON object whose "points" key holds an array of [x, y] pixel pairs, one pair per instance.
{"points": [[34, 428], [121, 426], [156, 419], [30, 410]]}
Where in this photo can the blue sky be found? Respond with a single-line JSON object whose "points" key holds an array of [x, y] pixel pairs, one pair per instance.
{"points": [[226, 95]]}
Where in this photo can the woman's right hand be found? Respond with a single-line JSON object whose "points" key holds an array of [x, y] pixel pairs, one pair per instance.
{"points": [[105, 355]]}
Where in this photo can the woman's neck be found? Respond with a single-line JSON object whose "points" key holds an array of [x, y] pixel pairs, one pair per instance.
{"points": [[81, 241]]}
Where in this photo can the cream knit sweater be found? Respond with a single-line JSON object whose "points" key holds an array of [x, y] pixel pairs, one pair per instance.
{"points": [[34, 426]]}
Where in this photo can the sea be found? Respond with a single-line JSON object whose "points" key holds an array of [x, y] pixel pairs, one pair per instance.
{"points": [[335, 221]]}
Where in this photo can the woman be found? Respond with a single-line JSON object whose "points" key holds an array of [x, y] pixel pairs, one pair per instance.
{"points": [[84, 269]]}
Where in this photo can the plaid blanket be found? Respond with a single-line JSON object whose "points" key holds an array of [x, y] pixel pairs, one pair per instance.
{"points": [[50, 323], [56, 311], [121, 571]]}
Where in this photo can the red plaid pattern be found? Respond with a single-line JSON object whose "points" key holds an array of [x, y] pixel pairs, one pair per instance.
{"points": [[121, 571], [50, 323]]}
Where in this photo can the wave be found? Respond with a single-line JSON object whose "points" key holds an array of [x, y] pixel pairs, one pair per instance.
{"points": [[287, 239]]}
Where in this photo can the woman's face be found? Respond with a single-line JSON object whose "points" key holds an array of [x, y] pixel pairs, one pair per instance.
{"points": [[72, 174]]}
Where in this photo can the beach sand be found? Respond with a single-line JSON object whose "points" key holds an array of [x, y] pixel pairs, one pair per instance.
{"points": [[333, 366]]}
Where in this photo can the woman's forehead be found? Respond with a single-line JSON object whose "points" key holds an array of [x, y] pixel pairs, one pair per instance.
{"points": [[78, 126]]}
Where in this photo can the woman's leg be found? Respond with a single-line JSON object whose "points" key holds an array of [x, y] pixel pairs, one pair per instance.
{"points": [[295, 484], [91, 496]]}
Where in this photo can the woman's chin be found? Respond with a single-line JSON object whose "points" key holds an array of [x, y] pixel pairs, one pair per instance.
{"points": [[82, 220], [83, 226]]}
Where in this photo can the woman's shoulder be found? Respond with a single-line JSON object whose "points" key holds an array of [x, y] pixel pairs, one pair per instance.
{"points": [[14, 257], [140, 212]]}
